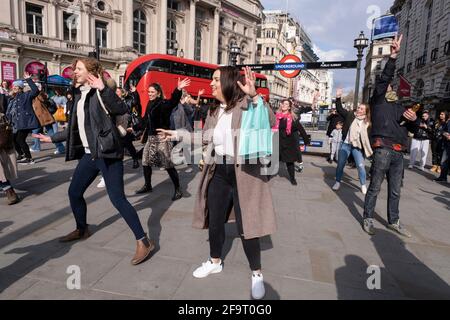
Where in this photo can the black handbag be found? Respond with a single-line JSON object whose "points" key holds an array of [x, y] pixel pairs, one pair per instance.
{"points": [[6, 133]]}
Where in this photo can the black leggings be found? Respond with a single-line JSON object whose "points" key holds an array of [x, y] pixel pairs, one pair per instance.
{"points": [[20, 143], [173, 174], [291, 170], [128, 144], [222, 195]]}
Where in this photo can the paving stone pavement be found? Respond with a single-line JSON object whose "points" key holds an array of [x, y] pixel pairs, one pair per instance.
{"points": [[318, 252]]}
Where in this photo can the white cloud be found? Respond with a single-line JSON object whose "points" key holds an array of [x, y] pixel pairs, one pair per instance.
{"points": [[316, 29], [330, 55]]}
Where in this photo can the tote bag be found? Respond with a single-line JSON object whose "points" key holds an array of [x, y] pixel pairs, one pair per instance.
{"points": [[256, 134]]}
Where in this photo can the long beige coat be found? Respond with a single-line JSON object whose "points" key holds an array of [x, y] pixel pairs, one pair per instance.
{"points": [[258, 216]]}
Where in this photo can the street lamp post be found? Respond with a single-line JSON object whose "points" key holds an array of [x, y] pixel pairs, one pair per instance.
{"points": [[235, 50], [360, 44]]}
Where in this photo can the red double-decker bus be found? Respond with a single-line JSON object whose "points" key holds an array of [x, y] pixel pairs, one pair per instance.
{"points": [[166, 69]]}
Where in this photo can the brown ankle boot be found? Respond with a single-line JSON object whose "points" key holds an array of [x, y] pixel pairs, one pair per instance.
{"points": [[76, 235], [434, 168], [13, 198], [438, 170], [143, 249]]}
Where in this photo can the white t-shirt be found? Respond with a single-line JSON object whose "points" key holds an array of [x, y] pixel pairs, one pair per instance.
{"points": [[223, 138], [81, 117]]}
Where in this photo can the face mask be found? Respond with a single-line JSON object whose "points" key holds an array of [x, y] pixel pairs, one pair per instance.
{"points": [[391, 96]]}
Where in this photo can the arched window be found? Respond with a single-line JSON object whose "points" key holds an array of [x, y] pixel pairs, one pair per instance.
{"points": [[171, 34], [139, 31], [198, 44], [419, 87]]}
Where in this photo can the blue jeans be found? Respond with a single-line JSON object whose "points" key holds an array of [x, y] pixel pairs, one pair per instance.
{"points": [[385, 162], [51, 130], [112, 171], [344, 153]]}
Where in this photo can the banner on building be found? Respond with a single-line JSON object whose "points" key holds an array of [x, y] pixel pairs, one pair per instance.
{"points": [[404, 89], [384, 27], [9, 71]]}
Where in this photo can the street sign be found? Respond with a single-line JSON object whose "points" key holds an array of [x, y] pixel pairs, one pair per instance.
{"points": [[292, 70], [302, 65]]}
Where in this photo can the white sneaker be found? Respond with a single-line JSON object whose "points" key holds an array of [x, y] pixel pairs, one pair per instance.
{"points": [[207, 268], [101, 184], [258, 290], [336, 186], [363, 189], [410, 167]]}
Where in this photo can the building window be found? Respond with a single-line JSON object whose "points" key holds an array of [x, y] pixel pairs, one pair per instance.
{"points": [[198, 44], [380, 51], [101, 33], [427, 33], [219, 57], [267, 51], [273, 51], [172, 4], [34, 19], [139, 31], [171, 34], [221, 21], [70, 26], [245, 31], [378, 67], [234, 26]]}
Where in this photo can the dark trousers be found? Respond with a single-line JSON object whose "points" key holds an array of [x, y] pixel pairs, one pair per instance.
{"points": [[128, 144], [437, 150], [445, 162], [389, 163], [5, 185], [112, 171], [222, 195], [291, 170], [20, 143]]}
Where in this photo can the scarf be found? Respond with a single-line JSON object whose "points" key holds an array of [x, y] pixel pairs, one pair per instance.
{"points": [[358, 136], [289, 120], [391, 96]]}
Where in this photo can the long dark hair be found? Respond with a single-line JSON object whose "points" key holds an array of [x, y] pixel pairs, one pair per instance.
{"points": [[229, 76], [158, 88]]}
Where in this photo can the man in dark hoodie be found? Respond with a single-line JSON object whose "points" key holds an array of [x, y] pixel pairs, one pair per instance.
{"points": [[389, 135]]}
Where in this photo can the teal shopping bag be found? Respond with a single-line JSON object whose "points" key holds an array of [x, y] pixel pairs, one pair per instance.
{"points": [[256, 134]]}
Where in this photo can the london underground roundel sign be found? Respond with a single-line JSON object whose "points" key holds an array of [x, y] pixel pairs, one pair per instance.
{"points": [[290, 59]]}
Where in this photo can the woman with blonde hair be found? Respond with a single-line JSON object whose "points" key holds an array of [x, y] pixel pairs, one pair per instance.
{"points": [[355, 140], [93, 139]]}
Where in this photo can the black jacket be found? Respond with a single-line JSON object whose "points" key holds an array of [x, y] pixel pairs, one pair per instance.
{"points": [[387, 117], [333, 119], [425, 134], [157, 115], [96, 122], [348, 116], [3, 103], [289, 144]]}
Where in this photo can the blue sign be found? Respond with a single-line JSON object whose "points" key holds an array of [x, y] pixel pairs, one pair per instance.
{"points": [[290, 66], [384, 27], [314, 143]]}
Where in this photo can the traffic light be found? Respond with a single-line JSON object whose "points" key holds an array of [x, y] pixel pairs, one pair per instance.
{"points": [[42, 75]]}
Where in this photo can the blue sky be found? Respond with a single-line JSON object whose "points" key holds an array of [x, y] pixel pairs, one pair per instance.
{"points": [[332, 26]]}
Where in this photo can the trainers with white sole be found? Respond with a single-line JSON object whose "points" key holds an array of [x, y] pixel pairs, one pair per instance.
{"points": [[364, 189], [336, 186], [258, 290], [101, 184], [207, 268]]}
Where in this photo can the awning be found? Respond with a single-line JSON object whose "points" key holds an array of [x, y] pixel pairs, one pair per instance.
{"points": [[57, 80]]}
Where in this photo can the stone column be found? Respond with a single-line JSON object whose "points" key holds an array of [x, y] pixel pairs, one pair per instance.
{"points": [[215, 44], [127, 22], [163, 26], [190, 46], [52, 19]]}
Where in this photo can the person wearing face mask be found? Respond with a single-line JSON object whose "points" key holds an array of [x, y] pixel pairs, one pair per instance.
{"points": [[230, 190], [157, 153], [355, 140], [86, 142], [389, 137]]}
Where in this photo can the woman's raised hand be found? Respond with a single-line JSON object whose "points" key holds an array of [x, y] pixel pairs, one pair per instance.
{"points": [[186, 82], [95, 83], [250, 80]]}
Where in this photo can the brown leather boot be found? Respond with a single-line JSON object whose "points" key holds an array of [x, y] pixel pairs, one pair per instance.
{"points": [[76, 235], [438, 170], [434, 168], [143, 249], [13, 198]]}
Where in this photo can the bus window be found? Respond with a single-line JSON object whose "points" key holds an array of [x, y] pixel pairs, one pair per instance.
{"points": [[137, 74], [161, 65], [202, 72], [263, 83], [182, 69]]}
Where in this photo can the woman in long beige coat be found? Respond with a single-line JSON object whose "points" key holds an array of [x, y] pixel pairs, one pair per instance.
{"points": [[8, 164], [230, 190]]}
